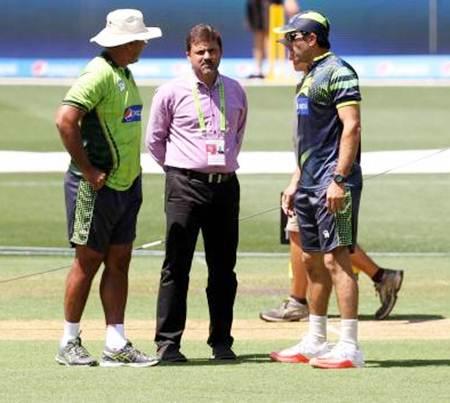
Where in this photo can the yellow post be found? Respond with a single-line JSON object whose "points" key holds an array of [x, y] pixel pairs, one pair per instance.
{"points": [[276, 52]]}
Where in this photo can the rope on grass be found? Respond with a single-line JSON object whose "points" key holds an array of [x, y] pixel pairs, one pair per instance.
{"points": [[260, 213]]}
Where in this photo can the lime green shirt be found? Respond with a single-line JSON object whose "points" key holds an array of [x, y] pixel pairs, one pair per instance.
{"points": [[111, 128]]}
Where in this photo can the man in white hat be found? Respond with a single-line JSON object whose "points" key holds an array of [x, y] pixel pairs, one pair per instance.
{"points": [[99, 122]]}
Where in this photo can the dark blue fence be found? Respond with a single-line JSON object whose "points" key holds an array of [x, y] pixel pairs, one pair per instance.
{"points": [[39, 28]]}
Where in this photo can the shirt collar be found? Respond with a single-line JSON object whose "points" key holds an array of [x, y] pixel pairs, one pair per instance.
{"points": [[108, 58], [195, 80], [318, 59]]}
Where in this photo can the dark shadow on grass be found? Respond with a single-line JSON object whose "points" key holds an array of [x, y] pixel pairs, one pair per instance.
{"points": [[199, 362], [406, 363], [412, 318], [255, 358]]}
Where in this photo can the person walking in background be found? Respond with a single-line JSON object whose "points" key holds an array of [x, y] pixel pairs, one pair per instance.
{"points": [[329, 189], [387, 282], [195, 133], [100, 126], [257, 15]]}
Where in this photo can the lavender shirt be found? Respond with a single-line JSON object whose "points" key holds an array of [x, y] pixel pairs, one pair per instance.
{"points": [[173, 135]]}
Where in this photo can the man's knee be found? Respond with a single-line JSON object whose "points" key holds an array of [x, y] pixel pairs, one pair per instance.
{"points": [[118, 258], [311, 262], [337, 260], [87, 260]]}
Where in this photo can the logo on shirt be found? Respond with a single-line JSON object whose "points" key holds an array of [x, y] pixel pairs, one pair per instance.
{"points": [[302, 106], [132, 114], [121, 85]]}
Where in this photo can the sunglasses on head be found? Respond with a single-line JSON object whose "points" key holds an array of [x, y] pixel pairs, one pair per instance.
{"points": [[292, 36]]}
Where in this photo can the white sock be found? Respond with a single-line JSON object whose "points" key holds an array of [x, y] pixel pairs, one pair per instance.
{"points": [[71, 331], [115, 336], [318, 328], [349, 331]]}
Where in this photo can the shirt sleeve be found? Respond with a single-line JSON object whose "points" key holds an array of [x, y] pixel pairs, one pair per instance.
{"points": [[344, 87], [88, 90], [242, 123], [158, 125]]}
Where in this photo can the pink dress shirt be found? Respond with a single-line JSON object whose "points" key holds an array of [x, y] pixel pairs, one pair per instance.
{"points": [[174, 137]]}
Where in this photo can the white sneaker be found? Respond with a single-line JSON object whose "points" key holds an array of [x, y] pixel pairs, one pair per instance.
{"points": [[301, 352], [342, 355]]}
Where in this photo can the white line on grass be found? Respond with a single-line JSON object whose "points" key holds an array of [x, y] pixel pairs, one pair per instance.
{"points": [[49, 251], [252, 162]]}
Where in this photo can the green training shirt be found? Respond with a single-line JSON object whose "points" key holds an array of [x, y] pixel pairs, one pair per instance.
{"points": [[111, 129]]}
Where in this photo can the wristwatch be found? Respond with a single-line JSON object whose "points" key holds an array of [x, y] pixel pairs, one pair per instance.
{"points": [[339, 179]]}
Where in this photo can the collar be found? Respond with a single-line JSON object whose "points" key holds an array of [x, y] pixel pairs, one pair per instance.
{"points": [[110, 61], [195, 80], [320, 58]]}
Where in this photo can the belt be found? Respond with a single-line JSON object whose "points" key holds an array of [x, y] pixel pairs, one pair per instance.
{"points": [[201, 176]]}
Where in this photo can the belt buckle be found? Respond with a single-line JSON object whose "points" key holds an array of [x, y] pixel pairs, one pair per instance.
{"points": [[215, 178]]}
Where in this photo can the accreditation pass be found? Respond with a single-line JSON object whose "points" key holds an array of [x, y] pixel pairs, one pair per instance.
{"points": [[215, 151]]}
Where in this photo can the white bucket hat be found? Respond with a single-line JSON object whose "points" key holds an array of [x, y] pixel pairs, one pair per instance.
{"points": [[124, 26]]}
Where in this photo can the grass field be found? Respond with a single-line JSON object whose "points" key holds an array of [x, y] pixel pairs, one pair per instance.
{"points": [[393, 118], [399, 213], [414, 368], [407, 356]]}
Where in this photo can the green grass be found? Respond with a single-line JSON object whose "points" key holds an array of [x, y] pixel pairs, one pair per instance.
{"points": [[396, 371], [398, 212], [263, 283], [393, 118]]}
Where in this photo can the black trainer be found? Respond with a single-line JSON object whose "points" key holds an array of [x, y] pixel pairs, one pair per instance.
{"points": [[170, 353], [221, 352]]}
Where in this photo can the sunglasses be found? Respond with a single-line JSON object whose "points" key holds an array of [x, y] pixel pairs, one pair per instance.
{"points": [[294, 35]]}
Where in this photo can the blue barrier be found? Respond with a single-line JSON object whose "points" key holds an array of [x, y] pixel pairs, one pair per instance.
{"points": [[368, 67]]}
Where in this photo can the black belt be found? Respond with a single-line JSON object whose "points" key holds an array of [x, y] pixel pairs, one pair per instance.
{"points": [[201, 176]]}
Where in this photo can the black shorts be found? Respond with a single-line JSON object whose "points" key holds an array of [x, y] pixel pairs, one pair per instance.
{"points": [[102, 218], [322, 231], [258, 13]]}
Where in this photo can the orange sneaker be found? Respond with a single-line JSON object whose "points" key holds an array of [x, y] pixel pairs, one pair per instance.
{"points": [[343, 355], [301, 352]]}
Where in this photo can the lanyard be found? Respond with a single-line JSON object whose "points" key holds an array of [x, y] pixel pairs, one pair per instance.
{"points": [[201, 116]]}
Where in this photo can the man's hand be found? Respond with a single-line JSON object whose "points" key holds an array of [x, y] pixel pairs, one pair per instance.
{"points": [[95, 178], [287, 199], [335, 197], [67, 121]]}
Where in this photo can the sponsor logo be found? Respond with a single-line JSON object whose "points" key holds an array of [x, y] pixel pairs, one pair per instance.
{"points": [[302, 106], [326, 234], [121, 85], [39, 68], [132, 114]]}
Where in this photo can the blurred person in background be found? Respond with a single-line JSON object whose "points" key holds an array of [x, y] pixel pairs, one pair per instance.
{"points": [[257, 15], [100, 126]]}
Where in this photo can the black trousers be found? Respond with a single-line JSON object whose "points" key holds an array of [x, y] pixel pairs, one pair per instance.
{"points": [[192, 205]]}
